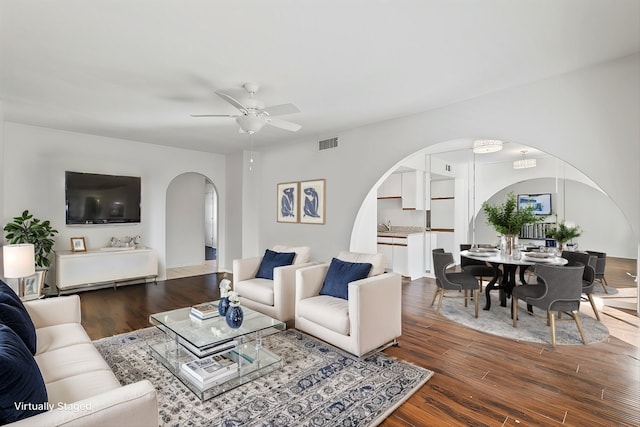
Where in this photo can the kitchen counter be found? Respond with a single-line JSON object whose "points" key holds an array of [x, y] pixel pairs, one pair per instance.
{"points": [[399, 231]]}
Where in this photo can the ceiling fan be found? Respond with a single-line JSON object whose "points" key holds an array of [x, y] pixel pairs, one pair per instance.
{"points": [[253, 113]]}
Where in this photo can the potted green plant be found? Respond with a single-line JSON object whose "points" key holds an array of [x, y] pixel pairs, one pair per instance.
{"points": [[563, 233], [508, 220], [27, 229]]}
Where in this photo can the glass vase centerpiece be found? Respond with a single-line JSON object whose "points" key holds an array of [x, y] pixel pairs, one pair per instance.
{"points": [[223, 304], [234, 315], [507, 219]]}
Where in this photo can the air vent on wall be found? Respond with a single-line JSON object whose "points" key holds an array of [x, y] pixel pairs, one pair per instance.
{"points": [[328, 143]]}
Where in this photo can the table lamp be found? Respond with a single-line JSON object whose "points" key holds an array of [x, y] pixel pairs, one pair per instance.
{"points": [[19, 262]]}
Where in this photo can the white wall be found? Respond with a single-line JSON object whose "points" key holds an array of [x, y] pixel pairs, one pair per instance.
{"points": [[391, 210], [185, 206], [588, 118], [33, 170]]}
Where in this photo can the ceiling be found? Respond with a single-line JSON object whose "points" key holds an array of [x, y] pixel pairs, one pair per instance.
{"points": [[137, 69]]}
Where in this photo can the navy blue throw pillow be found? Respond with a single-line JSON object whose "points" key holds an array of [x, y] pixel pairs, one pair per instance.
{"points": [[340, 274], [14, 315], [22, 390], [271, 260]]}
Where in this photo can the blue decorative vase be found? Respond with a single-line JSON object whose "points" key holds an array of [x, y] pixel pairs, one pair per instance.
{"points": [[223, 306], [234, 316]]}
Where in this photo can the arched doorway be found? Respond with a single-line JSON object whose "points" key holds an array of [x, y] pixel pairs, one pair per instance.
{"points": [[483, 177], [191, 226]]}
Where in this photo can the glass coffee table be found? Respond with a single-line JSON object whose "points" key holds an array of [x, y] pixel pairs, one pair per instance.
{"points": [[188, 340]]}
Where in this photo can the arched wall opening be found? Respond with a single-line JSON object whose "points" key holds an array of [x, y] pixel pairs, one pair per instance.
{"points": [[474, 178], [191, 220]]}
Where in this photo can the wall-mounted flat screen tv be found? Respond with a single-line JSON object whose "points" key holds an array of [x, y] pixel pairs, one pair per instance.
{"points": [[541, 203], [102, 199]]}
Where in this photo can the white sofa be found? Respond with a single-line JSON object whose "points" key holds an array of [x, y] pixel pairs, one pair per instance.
{"points": [[371, 316], [81, 387], [274, 298]]}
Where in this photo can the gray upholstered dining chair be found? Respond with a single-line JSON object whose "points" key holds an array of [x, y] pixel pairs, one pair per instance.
{"points": [[559, 291], [456, 282], [479, 269], [588, 277], [600, 266]]}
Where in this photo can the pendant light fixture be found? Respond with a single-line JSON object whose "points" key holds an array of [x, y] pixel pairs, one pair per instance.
{"points": [[484, 146], [524, 163]]}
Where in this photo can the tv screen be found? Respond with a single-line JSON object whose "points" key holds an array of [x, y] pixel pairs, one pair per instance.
{"points": [[541, 203], [102, 199]]}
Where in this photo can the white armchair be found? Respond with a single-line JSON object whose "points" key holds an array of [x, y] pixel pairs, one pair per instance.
{"points": [[276, 297], [371, 316]]}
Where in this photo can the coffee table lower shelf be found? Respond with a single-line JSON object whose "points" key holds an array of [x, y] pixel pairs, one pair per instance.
{"points": [[253, 362]]}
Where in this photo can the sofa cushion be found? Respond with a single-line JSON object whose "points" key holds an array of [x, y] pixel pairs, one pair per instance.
{"points": [[258, 290], [327, 311], [82, 386], [303, 253], [58, 336], [376, 260], [70, 361], [271, 260], [14, 315], [340, 274], [21, 379]]}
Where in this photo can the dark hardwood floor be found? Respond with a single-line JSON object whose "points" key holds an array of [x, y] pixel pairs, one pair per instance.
{"points": [[480, 379]]}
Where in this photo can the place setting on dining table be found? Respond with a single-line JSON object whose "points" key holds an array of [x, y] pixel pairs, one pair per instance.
{"points": [[519, 258]]}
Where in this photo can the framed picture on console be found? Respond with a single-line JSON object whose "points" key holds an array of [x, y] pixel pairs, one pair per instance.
{"points": [[312, 201], [78, 244], [33, 286], [287, 199]]}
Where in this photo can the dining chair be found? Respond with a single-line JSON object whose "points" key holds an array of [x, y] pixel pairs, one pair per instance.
{"points": [[479, 269], [460, 281], [588, 277], [559, 292], [600, 266]]}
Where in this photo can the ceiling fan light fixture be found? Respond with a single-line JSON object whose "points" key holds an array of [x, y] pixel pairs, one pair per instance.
{"points": [[250, 124], [524, 163], [484, 146]]}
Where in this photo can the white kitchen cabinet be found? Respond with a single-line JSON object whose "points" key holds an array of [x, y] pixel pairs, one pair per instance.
{"points": [[385, 247], [413, 190], [391, 187], [405, 254]]}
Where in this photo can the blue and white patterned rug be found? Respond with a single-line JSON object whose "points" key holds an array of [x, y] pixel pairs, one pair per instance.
{"points": [[319, 385]]}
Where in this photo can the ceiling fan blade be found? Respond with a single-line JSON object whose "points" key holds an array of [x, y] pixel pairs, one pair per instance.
{"points": [[284, 124], [214, 115], [231, 100], [281, 110]]}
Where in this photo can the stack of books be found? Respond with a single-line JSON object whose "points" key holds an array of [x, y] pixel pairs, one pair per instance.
{"points": [[204, 311], [210, 370], [207, 350]]}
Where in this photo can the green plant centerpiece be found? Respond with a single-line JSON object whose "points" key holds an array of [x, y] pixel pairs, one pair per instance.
{"points": [[508, 220], [28, 229], [563, 233]]}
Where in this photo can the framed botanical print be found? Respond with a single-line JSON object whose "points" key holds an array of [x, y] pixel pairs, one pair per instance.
{"points": [[287, 199], [312, 201]]}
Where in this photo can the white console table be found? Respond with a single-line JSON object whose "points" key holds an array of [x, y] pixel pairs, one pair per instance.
{"points": [[95, 268]]}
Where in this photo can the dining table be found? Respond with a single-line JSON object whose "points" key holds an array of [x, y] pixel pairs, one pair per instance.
{"points": [[510, 266]]}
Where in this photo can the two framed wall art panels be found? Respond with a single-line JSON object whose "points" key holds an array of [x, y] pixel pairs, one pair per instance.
{"points": [[301, 202]]}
